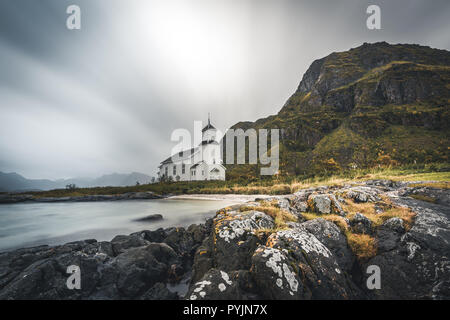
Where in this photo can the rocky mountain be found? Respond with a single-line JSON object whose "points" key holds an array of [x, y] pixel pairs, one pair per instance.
{"points": [[374, 104], [16, 182]]}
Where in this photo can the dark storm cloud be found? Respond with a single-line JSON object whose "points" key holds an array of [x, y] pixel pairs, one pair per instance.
{"points": [[107, 97]]}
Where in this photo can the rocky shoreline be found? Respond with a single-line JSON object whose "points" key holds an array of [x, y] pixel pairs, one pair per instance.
{"points": [[247, 252], [9, 198]]}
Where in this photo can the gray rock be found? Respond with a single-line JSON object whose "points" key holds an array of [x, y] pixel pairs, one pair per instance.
{"points": [[333, 238], [417, 264], [320, 203], [215, 285], [235, 236], [325, 204], [361, 224], [363, 194], [395, 224], [274, 276], [298, 266], [121, 243]]}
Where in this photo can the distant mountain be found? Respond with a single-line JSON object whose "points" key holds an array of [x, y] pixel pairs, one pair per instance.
{"points": [[377, 104], [15, 182]]}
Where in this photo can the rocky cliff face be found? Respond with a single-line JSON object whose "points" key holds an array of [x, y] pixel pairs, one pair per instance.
{"points": [[374, 99], [315, 244]]}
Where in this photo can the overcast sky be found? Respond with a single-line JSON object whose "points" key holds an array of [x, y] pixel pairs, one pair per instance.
{"points": [[106, 98]]}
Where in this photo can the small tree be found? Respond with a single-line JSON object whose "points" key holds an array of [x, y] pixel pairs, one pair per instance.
{"points": [[71, 186], [331, 165]]}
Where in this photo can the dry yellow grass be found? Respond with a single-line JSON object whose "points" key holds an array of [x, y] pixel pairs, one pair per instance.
{"points": [[338, 220], [280, 216], [440, 185], [366, 208], [423, 197], [363, 246]]}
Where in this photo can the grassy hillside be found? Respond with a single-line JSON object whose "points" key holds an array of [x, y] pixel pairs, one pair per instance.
{"points": [[375, 105]]}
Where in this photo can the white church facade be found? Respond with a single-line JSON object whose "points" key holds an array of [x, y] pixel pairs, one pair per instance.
{"points": [[203, 162]]}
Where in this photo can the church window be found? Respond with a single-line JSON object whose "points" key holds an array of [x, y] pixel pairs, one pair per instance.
{"points": [[183, 168]]}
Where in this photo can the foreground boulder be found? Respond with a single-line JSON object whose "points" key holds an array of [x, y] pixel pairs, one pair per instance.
{"points": [[235, 239], [415, 264]]}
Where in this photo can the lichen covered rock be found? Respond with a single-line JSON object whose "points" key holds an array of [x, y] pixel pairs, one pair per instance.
{"points": [[215, 285], [234, 235]]}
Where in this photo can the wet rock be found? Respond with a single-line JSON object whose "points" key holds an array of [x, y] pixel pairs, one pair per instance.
{"points": [[150, 218], [15, 198], [139, 268], [121, 243], [151, 236]]}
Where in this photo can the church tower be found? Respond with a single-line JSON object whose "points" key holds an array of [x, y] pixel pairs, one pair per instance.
{"points": [[209, 132]]}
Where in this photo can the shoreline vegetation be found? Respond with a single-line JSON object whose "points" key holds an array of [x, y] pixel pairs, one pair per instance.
{"points": [[439, 176]]}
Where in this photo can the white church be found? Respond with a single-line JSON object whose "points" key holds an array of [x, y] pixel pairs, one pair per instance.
{"points": [[200, 163]]}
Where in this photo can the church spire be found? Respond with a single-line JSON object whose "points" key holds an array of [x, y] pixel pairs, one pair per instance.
{"points": [[209, 119]]}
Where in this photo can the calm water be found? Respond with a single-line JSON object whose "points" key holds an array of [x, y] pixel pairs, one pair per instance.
{"points": [[31, 224]]}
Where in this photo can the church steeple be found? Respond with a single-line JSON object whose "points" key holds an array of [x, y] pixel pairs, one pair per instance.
{"points": [[209, 126], [208, 132]]}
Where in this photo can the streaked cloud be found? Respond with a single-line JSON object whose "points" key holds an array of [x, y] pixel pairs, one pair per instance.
{"points": [[107, 97]]}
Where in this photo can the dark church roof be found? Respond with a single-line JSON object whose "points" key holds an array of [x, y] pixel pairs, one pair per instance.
{"points": [[208, 126]]}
